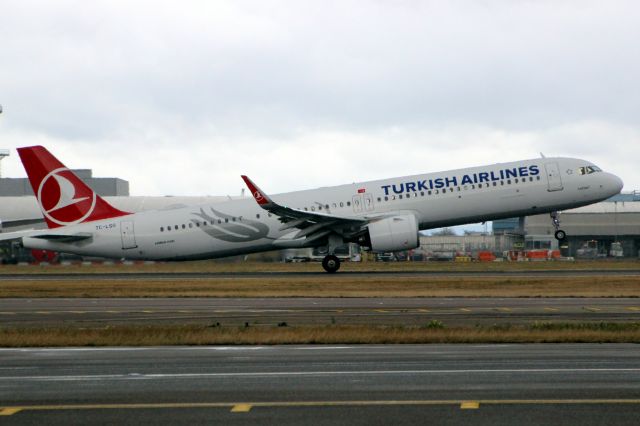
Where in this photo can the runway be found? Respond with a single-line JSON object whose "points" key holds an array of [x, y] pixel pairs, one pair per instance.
{"points": [[313, 311], [355, 385]]}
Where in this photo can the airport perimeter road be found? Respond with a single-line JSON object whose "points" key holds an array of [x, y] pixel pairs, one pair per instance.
{"points": [[312, 311], [347, 385]]}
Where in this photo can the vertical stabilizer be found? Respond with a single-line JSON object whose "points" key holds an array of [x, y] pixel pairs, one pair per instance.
{"points": [[63, 197]]}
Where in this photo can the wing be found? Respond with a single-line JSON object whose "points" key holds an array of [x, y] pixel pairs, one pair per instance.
{"points": [[311, 226]]}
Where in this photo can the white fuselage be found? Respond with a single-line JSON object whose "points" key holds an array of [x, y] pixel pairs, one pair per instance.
{"points": [[436, 199]]}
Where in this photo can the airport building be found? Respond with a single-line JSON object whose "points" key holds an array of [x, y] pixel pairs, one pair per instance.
{"points": [[607, 229]]}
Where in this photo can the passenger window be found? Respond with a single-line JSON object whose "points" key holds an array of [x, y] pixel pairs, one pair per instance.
{"points": [[348, 203], [422, 193], [495, 184], [320, 207], [379, 199], [530, 178], [226, 220], [341, 204], [233, 219], [501, 182], [326, 206], [336, 206], [176, 227], [400, 196], [219, 220], [161, 229], [190, 225], [508, 181], [429, 192], [386, 198], [258, 216], [183, 226]]}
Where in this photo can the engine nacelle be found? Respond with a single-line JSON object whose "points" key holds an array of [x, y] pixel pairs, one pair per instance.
{"points": [[394, 233]]}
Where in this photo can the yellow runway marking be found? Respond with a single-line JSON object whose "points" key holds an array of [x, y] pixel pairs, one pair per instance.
{"points": [[381, 310], [241, 408], [504, 309], [633, 308], [9, 411], [423, 310], [7, 313], [592, 309], [549, 309], [78, 312], [185, 312], [43, 312], [147, 312], [470, 405], [285, 404], [465, 310]]}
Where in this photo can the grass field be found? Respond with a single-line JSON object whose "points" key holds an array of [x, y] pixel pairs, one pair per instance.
{"points": [[433, 332], [231, 267], [332, 286], [324, 285]]}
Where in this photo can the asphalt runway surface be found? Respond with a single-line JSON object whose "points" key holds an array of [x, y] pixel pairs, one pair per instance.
{"points": [[337, 385], [142, 276], [313, 311]]}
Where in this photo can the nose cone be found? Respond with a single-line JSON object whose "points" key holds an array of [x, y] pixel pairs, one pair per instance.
{"points": [[615, 184]]}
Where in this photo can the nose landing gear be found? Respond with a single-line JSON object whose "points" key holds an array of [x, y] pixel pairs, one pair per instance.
{"points": [[559, 234]]}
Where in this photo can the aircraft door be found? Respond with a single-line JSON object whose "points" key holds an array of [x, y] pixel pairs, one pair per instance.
{"points": [[554, 180], [357, 203], [368, 202], [128, 235]]}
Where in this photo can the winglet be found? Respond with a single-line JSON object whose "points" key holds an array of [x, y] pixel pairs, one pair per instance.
{"points": [[260, 197]]}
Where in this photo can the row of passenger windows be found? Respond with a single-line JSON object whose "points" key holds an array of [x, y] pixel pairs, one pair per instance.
{"points": [[198, 224], [348, 203], [463, 188], [434, 191]]}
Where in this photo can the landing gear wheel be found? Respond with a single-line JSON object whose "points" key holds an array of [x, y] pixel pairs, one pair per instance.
{"points": [[331, 263], [560, 235]]}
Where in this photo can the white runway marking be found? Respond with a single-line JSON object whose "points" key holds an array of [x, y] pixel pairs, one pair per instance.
{"points": [[141, 376]]}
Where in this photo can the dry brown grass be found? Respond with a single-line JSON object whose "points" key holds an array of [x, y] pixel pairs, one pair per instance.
{"points": [[200, 335], [333, 286], [233, 267]]}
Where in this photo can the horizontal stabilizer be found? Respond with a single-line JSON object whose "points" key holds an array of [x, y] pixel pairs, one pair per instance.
{"points": [[61, 238]]}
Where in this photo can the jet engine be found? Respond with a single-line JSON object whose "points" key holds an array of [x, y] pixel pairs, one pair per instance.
{"points": [[394, 233]]}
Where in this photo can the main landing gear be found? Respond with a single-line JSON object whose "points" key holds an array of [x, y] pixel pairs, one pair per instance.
{"points": [[331, 263], [559, 234]]}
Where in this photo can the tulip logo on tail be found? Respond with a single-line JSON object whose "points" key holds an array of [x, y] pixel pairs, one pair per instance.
{"points": [[62, 201], [258, 196]]}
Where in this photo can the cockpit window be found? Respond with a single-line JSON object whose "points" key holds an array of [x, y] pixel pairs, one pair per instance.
{"points": [[587, 170]]}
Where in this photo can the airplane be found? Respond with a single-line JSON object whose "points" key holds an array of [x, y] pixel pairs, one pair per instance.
{"points": [[381, 216]]}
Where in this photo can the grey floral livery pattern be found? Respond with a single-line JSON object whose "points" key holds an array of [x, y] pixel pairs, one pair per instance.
{"points": [[223, 227]]}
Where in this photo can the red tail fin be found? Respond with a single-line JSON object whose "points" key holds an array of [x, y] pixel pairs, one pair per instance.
{"points": [[62, 196]]}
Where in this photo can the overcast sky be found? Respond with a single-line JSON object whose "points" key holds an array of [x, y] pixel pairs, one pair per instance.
{"points": [[182, 97]]}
